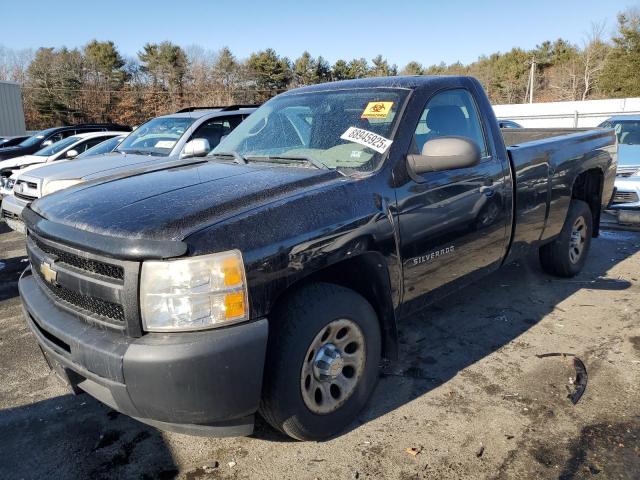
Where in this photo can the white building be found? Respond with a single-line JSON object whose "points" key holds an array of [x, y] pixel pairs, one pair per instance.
{"points": [[11, 111], [589, 113]]}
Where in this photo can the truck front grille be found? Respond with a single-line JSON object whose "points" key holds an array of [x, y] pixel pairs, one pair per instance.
{"points": [[101, 290], [86, 264], [93, 305], [625, 197]]}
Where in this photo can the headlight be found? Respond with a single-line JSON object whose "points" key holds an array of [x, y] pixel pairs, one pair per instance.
{"points": [[193, 293], [10, 183], [55, 185]]}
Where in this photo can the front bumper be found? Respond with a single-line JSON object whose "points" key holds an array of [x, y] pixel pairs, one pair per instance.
{"points": [[11, 212], [201, 383]]}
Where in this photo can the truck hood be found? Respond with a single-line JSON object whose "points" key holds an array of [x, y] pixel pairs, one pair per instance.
{"points": [[173, 202], [628, 154], [20, 161], [99, 166]]}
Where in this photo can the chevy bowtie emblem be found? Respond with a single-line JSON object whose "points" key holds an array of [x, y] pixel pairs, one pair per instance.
{"points": [[48, 273]]}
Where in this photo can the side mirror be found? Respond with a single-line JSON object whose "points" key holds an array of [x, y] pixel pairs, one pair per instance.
{"points": [[198, 147], [46, 143], [72, 154], [445, 153]]}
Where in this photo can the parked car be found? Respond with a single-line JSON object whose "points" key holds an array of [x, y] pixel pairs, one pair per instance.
{"points": [[50, 136], [67, 148], [627, 129], [504, 123], [194, 133], [271, 276], [11, 141], [102, 148]]}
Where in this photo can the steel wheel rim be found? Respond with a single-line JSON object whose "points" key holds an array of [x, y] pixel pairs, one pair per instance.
{"points": [[332, 366], [578, 239]]}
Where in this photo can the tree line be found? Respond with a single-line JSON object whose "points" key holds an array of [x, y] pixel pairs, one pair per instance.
{"points": [[96, 83]]}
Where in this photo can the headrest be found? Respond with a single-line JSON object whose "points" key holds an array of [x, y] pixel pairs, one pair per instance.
{"points": [[446, 120]]}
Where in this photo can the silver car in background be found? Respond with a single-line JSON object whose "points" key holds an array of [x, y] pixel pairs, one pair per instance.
{"points": [[187, 134]]}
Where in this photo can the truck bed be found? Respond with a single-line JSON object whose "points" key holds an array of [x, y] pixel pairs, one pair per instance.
{"points": [[543, 161], [516, 136]]}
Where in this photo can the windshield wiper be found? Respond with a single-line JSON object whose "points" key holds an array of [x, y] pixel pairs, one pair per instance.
{"points": [[237, 158], [288, 159], [141, 152]]}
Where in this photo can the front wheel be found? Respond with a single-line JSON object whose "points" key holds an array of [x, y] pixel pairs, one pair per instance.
{"points": [[566, 255], [322, 361]]}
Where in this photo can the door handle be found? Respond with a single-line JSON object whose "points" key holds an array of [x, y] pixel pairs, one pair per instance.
{"points": [[487, 191]]}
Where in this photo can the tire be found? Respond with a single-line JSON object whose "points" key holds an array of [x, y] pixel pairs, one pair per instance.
{"points": [[294, 371], [559, 257]]}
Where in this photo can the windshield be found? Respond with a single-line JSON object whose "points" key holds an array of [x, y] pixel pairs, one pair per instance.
{"points": [[29, 142], [627, 131], [57, 147], [337, 129], [102, 148], [156, 137]]}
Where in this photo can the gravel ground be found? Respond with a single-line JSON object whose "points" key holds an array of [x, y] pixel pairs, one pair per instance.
{"points": [[468, 398]]}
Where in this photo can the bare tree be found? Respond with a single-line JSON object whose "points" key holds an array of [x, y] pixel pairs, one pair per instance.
{"points": [[594, 54]]}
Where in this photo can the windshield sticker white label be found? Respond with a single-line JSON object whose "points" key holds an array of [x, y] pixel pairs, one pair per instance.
{"points": [[367, 138], [165, 144], [377, 110]]}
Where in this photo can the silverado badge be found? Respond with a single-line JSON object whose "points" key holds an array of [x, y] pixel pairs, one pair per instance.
{"points": [[48, 273]]}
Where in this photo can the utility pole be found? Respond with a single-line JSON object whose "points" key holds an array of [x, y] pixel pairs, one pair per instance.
{"points": [[532, 79]]}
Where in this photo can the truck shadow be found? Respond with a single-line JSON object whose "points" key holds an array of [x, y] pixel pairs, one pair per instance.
{"points": [[78, 437], [11, 243], [471, 324], [10, 270]]}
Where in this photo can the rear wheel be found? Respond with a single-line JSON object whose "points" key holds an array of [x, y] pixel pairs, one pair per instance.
{"points": [[322, 361], [566, 255]]}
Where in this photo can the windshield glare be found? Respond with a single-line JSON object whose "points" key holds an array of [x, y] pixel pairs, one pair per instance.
{"points": [[156, 137], [57, 147], [310, 125]]}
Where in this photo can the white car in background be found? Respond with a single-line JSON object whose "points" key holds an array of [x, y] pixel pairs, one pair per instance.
{"points": [[65, 149]]}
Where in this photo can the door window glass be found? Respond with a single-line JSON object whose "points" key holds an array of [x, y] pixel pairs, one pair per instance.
{"points": [[450, 113], [216, 129]]}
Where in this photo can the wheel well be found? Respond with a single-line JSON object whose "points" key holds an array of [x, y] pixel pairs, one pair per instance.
{"points": [[588, 188], [367, 275]]}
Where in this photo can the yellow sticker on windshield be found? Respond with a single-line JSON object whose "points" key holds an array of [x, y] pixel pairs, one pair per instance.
{"points": [[377, 110]]}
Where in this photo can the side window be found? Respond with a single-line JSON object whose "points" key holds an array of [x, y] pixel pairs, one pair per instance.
{"points": [[215, 129], [452, 112], [56, 137], [84, 146]]}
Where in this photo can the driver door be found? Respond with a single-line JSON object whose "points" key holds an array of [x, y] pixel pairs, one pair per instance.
{"points": [[453, 223]]}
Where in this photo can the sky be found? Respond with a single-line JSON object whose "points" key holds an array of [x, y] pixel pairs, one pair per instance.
{"points": [[428, 31]]}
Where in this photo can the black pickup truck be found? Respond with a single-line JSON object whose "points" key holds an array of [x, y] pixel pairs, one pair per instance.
{"points": [[271, 275]]}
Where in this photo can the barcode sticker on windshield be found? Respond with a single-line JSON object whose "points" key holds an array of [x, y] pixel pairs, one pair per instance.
{"points": [[367, 138]]}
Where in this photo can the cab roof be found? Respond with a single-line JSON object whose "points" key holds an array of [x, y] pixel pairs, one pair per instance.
{"points": [[408, 82]]}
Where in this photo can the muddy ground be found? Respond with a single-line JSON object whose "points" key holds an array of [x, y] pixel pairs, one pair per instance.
{"points": [[469, 395]]}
